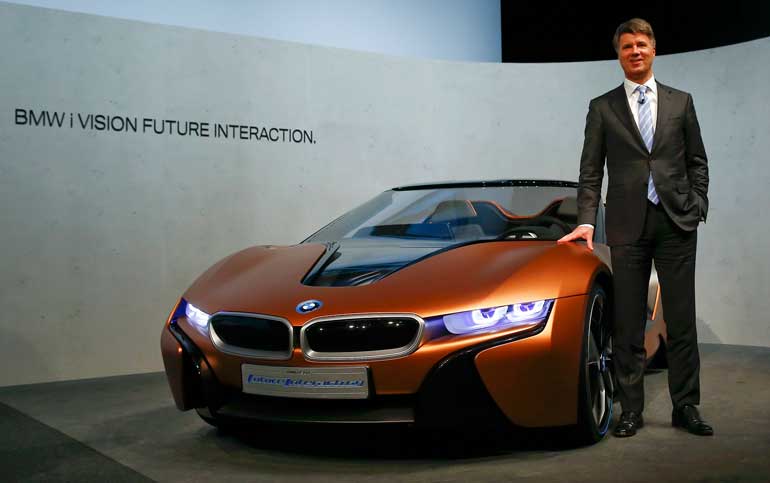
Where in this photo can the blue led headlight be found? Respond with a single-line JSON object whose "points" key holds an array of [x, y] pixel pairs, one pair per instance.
{"points": [[196, 316], [498, 318]]}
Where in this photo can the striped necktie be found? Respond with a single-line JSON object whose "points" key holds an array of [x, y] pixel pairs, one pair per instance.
{"points": [[647, 131]]}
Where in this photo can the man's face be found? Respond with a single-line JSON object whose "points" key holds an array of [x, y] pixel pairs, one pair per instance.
{"points": [[636, 52]]}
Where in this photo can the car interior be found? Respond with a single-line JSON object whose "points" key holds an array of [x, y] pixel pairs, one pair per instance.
{"points": [[467, 219]]}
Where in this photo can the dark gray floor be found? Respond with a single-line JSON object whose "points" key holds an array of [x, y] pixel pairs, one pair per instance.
{"points": [[127, 429], [32, 451]]}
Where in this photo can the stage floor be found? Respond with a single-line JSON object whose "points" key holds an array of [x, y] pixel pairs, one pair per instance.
{"points": [[127, 429]]}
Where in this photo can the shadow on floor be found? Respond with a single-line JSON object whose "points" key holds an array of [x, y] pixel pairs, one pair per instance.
{"points": [[399, 442]]}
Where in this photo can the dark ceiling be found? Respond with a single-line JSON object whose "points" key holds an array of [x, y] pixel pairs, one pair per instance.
{"points": [[569, 31]]}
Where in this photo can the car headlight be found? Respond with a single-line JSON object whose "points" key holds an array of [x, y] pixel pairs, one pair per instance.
{"points": [[497, 318], [197, 316]]}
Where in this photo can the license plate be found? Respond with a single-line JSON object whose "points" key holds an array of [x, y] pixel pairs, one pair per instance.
{"points": [[306, 382]]}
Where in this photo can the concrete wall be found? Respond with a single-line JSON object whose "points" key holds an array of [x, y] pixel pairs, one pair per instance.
{"points": [[102, 230], [466, 30]]}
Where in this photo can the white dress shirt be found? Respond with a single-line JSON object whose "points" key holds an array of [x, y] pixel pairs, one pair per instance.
{"points": [[633, 99]]}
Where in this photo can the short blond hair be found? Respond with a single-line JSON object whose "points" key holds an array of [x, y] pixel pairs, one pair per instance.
{"points": [[633, 26]]}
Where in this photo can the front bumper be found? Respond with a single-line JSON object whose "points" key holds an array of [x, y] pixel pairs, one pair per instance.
{"points": [[527, 378]]}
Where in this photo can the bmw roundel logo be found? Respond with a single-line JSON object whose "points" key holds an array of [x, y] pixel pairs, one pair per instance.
{"points": [[308, 306]]}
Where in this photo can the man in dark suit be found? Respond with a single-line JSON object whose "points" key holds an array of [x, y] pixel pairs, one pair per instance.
{"points": [[649, 137]]}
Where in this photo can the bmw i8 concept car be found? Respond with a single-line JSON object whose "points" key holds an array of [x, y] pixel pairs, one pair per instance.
{"points": [[444, 304]]}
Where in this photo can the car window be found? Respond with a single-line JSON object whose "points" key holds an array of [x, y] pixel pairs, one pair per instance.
{"points": [[457, 214]]}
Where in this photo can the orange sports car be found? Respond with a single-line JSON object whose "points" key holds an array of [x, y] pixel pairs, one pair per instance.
{"points": [[434, 304]]}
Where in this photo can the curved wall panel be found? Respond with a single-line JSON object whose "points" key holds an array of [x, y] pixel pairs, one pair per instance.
{"points": [[467, 30], [103, 229]]}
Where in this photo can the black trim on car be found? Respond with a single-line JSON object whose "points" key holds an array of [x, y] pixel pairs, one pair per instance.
{"points": [[453, 390], [323, 261], [489, 184], [376, 410], [205, 389]]}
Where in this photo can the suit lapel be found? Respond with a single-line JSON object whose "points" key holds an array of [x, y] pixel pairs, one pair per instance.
{"points": [[619, 104], [664, 109]]}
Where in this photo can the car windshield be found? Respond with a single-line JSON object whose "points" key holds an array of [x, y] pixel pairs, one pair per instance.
{"points": [[461, 213]]}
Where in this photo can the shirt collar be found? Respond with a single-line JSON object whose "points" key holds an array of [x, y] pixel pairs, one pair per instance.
{"points": [[630, 86]]}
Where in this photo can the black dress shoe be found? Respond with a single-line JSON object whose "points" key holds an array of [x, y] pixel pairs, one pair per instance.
{"points": [[629, 422], [687, 417]]}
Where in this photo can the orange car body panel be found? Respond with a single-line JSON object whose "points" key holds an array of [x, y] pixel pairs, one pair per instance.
{"points": [[534, 381]]}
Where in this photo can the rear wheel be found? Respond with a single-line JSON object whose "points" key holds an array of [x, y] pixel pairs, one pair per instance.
{"points": [[596, 387]]}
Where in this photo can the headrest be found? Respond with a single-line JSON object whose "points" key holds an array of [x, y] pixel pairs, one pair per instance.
{"points": [[452, 209], [568, 208]]}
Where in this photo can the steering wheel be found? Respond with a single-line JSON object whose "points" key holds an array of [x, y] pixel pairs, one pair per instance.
{"points": [[538, 221]]}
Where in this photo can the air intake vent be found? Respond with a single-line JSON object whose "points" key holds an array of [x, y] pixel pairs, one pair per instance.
{"points": [[347, 277], [363, 337], [252, 335]]}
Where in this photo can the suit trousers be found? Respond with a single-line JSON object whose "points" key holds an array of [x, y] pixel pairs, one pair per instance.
{"points": [[673, 251]]}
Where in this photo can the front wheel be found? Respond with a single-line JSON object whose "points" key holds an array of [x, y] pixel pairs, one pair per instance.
{"points": [[596, 388], [206, 415]]}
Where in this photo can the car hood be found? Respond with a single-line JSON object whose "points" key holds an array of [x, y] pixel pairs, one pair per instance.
{"points": [[426, 279]]}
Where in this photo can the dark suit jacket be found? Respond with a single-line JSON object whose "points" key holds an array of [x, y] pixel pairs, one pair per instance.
{"points": [[677, 161]]}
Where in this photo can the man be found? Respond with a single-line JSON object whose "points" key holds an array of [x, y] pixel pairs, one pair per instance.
{"points": [[649, 135]]}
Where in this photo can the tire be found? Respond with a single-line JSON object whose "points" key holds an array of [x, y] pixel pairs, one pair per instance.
{"points": [[596, 384], [214, 421], [211, 421]]}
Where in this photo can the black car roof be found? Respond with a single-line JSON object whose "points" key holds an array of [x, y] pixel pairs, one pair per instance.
{"points": [[489, 184]]}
